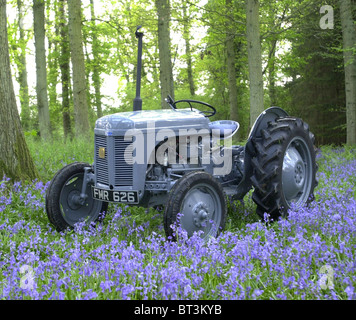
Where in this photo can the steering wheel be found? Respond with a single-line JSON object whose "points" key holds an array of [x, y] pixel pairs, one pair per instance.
{"points": [[206, 113]]}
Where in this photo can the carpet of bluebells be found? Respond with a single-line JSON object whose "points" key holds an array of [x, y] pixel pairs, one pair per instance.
{"points": [[310, 255]]}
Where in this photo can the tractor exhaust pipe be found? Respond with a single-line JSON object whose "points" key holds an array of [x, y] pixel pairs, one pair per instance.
{"points": [[137, 102]]}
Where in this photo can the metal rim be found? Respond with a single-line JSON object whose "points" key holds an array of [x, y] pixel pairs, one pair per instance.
{"points": [[72, 210], [201, 210], [297, 172]]}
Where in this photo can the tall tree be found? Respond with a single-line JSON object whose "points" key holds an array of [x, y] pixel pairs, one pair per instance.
{"points": [[15, 158], [64, 59], [274, 17], [188, 51], [81, 114], [254, 59], [231, 52], [164, 46], [349, 43], [22, 65], [52, 35], [41, 72], [96, 62]]}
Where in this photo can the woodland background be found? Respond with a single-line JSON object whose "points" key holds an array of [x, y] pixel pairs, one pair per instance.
{"points": [[74, 61]]}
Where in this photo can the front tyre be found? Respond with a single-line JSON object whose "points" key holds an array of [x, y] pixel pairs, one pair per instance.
{"points": [[201, 202], [284, 167], [63, 206]]}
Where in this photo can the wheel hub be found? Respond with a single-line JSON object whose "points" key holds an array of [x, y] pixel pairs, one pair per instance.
{"points": [[200, 214], [299, 173], [296, 173], [201, 204], [293, 173], [74, 200]]}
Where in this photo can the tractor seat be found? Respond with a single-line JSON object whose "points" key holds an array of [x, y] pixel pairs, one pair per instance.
{"points": [[224, 129]]}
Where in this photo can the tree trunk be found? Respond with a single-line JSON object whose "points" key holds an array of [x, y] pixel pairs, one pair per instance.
{"points": [[96, 73], [65, 71], [349, 41], [166, 74], [188, 53], [41, 72], [230, 62], [52, 56], [81, 114], [22, 79], [254, 59], [15, 159], [271, 73], [272, 45]]}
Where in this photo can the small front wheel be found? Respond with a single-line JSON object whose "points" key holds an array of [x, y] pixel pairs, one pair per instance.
{"points": [[201, 202], [63, 204]]}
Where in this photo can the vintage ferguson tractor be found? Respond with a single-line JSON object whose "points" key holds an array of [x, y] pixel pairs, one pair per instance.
{"points": [[178, 159]]}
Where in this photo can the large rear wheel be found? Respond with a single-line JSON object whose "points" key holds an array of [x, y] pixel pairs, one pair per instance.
{"points": [[284, 168]]}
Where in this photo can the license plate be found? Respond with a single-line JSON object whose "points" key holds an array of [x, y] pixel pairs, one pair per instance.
{"points": [[115, 196]]}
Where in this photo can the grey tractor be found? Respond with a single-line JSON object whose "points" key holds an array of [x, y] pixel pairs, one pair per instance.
{"points": [[178, 159]]}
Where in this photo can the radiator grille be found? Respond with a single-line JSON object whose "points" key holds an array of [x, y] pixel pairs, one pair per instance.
{"points": [[102, 167], [123, 162], [120, 157]]}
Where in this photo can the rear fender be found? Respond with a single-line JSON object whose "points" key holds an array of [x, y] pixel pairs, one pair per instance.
{"points": [[262, 120]]}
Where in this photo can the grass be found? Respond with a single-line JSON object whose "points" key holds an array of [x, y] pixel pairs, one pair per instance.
{"points": [[128, 257], [50, 156]]}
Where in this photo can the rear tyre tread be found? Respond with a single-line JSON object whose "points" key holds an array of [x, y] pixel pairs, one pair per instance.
{"points": [[268, 162]]}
